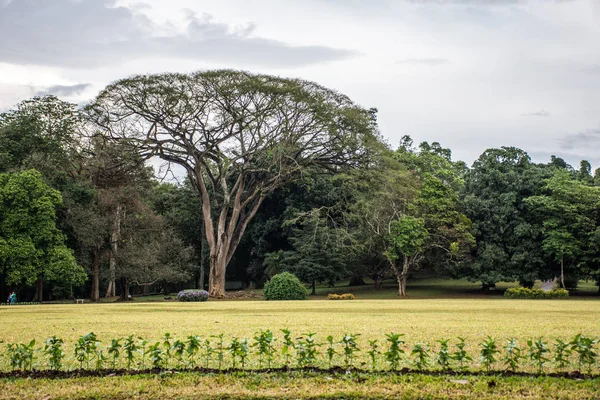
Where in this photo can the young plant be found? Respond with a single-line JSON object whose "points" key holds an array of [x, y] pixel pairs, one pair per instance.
{"points": [[584, 348], [208, 352], [166, 342], [243, 352], [306, 350], [488, 353], [156, 354], [394, 353], [220, 350], [537, 353], [143, 343], [562, 354], [373, 352], [21, 355], [512, 354], [350, 349], [178, 350], [444, 358], [130, 348], [330, 350], [263, 341], [234, 349], [85, 349], [288, 345], [193, 345], [461, 355], [420, 353], [53, 350], [114, 350]]}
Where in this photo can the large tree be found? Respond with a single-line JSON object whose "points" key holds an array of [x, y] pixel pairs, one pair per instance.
{"points": [[238, 136], [31, 246]]}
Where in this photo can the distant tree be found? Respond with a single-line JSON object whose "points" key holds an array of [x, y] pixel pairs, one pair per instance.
{"points": [[238, 136], [408, 237], [32, 248], [570, 210], [508, 237]]}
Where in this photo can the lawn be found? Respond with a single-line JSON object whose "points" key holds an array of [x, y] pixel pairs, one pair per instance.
{"points": [[463, 312]]}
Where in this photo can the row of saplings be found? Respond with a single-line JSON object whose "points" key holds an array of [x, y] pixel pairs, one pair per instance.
{"points": [[306, 351]]}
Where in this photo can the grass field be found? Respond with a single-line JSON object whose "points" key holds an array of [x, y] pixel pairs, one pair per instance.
{"points": [[299, 386], [462, 311]]}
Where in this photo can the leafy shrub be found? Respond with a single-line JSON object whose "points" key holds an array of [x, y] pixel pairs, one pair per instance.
{"points": [[192, 295], [285, 286], [345, 296], [525, 293]]}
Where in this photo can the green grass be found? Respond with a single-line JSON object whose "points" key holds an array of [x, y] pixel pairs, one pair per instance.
{"points": [[299, 386], [460, 309], [423, 320]]}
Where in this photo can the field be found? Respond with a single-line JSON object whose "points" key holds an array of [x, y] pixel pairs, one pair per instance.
{"points": [[422, 318]]}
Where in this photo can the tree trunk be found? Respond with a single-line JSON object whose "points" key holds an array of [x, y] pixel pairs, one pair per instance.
{"points": [[95, 292], [114, 246], [216, 279], [124, 289], [402, 276], [314, 288], [562, 272], [39, 290], [356, 280], [378, 282]]}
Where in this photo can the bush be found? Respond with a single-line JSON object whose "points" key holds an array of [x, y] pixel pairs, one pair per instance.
{"points": [[345, 296], [525, 293], [192, 295], [285, 286]]}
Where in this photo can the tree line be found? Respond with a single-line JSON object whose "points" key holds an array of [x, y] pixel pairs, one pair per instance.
{"points": [[176, 180]]}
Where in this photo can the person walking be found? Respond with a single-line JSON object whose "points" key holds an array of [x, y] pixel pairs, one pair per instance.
{"points": [[12, 299]]}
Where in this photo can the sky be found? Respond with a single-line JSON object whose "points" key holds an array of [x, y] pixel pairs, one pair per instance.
{"points": [[470, 74]]}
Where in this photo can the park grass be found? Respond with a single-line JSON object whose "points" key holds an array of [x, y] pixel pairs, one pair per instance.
{"points": [[463, 311], [420, 320], [299, 385]]}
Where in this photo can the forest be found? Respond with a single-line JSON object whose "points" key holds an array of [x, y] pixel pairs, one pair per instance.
{"points": [[222, 179]]}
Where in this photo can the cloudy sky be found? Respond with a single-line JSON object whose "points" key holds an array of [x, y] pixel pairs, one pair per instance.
{"points": [[470, 74]]}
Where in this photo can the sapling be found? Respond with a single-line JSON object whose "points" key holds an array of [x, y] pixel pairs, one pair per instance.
{"points": [[512, 354], [53, 350], [461, 355], [234, 348], [373, 352], [130, 348], [220, 350], [330, 350], [350, 348], [306, 350], [114, 350], [488, 352], [263, 341], [193, 347], [156, 354], [288, 345], [562, 354], [21, 355], [537, 353], [208, 352], [420, 352], [584, 348], [444, 358], [142, 349], [167, 346], [394, 353], [243, 351], [178, 349]]}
